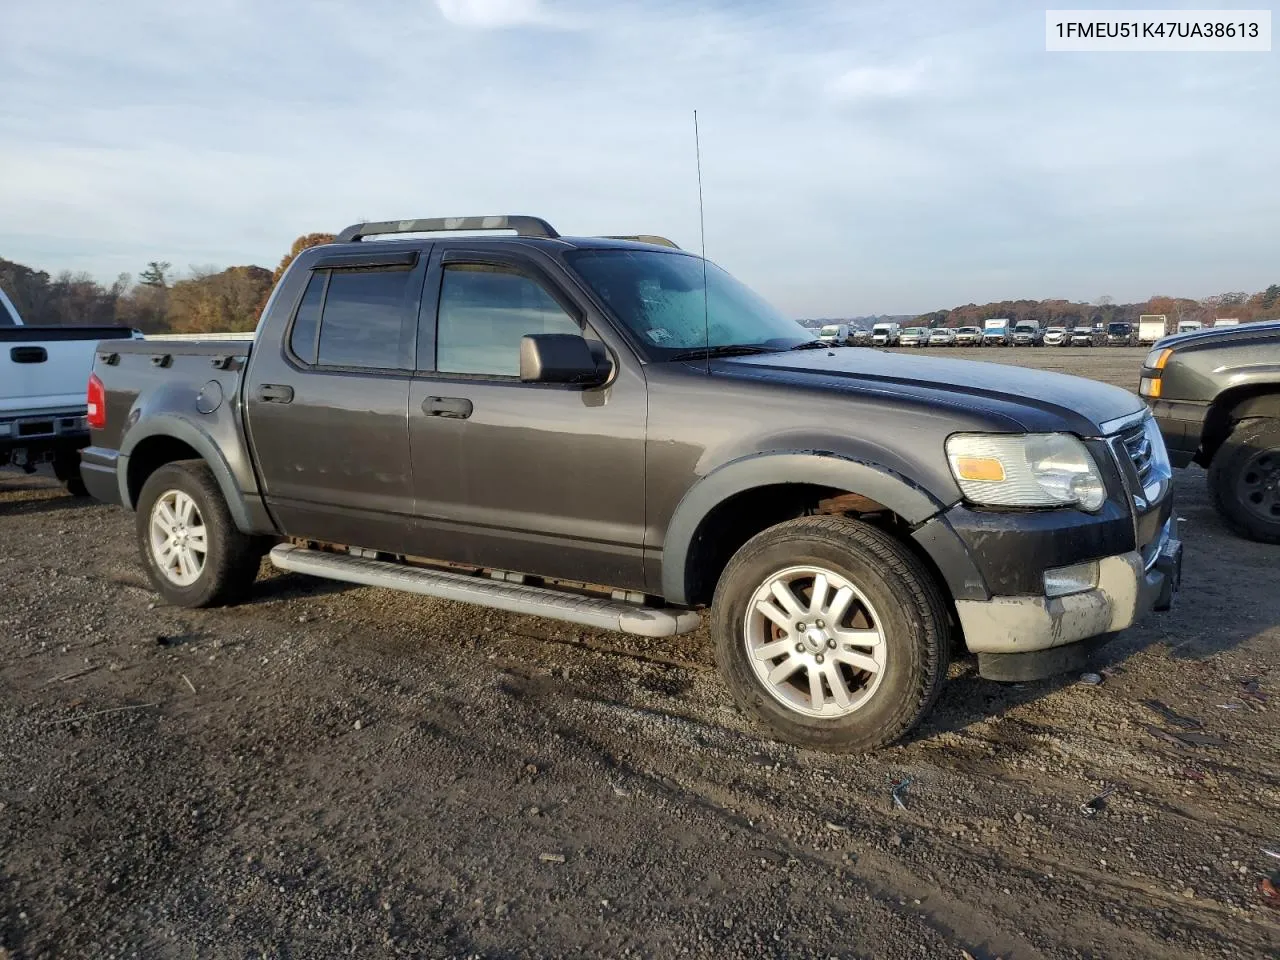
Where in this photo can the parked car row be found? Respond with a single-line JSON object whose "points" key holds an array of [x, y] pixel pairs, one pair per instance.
{"points": [[999, 332], [1002, 334]]}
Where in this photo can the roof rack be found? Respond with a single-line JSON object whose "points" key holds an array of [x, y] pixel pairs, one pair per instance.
{"points": [[648, 238], [523, 226]]}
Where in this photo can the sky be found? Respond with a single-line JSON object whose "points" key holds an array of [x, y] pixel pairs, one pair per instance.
{"points": [[857, 157]]}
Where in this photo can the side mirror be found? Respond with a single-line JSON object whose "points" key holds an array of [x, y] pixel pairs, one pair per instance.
{"points": [[560, 358]]}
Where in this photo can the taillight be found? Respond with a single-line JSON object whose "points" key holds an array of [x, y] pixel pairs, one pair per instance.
{"points": [[97, 416]]}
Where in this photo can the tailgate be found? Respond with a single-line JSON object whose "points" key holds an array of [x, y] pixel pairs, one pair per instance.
{"points": [[44, 370]]}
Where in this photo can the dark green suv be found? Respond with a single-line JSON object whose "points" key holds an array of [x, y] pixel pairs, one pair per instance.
{"points": [[1216, 396]]}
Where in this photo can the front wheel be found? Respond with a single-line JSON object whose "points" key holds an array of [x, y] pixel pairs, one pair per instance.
{"points": [[830, 634], [193, 551], [1244, 479]]}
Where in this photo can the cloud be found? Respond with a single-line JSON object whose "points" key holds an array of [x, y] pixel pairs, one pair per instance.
{"points": [[878, 83], [493, 14], [856, 158]]}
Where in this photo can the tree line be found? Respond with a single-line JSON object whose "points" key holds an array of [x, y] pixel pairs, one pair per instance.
{"points": [[1245, 307], [157, 300]]}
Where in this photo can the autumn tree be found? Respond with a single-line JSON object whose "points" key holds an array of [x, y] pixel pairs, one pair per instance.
{"points": [[304, 242], [144, 307], [218, 302]]}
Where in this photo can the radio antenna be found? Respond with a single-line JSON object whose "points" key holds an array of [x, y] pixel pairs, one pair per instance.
{"points": [[702, 230]]}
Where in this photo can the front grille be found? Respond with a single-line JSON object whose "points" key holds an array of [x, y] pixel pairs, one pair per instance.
{"points": [[1140, 455], [1138, 446]]}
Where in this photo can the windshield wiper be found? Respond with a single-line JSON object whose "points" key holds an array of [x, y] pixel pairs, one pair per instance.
{"points": [[722, 350], [810, 345]]}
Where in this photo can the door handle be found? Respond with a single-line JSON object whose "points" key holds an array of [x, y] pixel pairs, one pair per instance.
{"points": [[28, 354], [455, 408], [275, 393]]}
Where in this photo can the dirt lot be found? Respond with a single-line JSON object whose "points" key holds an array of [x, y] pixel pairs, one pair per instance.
{"points": [[350, 772]]}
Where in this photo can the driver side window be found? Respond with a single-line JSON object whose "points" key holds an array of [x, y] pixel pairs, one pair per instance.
{"points": [[484, 311]]}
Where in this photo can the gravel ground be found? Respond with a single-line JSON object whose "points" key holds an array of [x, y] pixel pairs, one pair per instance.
{"points": [[330, 771]]}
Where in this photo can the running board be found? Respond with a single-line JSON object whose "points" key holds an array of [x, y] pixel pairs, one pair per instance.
{"points": [[500, 595]]}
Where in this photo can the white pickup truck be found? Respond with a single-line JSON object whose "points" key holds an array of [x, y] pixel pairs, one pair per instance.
{"points": [[43, 373]]}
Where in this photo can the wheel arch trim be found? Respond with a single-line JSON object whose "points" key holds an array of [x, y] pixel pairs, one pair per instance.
{"points": [[879, 483], [175, 427]]}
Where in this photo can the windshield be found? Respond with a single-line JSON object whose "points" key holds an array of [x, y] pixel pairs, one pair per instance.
{"points": [[1024, 328], [659, 297], [914, 331], [829, 331], [1117, 328]]}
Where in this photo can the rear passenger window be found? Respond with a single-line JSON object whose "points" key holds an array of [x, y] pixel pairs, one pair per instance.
{"points": [[302, 341], [363, 317], [484, 311]]}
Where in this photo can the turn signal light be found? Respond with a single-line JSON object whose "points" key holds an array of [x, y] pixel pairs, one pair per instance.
{"points": [[980, 468], [97, 417], [1150, 387]]}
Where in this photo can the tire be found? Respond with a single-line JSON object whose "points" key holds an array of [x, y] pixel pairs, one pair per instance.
{"points": [[66, 467], [894, 595], [231, 558], [1244, 479]]}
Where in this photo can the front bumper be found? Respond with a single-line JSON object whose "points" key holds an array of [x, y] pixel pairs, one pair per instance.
{"points": [[1026, 637], [1181, 424]]}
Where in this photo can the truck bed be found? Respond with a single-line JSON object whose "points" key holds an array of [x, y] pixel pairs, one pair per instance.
{"points": [[181, 369]]}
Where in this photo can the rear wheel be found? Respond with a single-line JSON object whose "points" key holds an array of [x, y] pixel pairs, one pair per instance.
{"points": [[830, 634], [66, 467], [194, 554], [1244, 479]]}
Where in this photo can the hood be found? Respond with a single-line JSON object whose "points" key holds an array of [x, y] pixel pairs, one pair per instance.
{"points": [[1265, 329], [1021, 398]]}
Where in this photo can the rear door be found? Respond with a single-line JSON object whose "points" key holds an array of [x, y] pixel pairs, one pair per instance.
{"points": [[326, 408], [545, 479]]}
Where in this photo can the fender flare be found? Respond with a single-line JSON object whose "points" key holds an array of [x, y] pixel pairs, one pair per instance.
{"points": [[1263, 404], [897, 493], [179, 428]]}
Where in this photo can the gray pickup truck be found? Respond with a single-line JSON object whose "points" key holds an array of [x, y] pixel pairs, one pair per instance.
{"points": [[1215, 394], [618, 434]]}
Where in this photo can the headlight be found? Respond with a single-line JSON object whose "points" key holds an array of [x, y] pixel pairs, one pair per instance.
{"points": [[1025, 470], [1157, 358]]}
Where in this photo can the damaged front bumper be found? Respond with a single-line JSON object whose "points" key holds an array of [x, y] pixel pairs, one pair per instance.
{"points": [[1032, 637]]}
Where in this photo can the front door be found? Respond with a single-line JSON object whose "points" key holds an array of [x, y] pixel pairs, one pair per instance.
{"points": [[327, 412], [534, 478]]}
